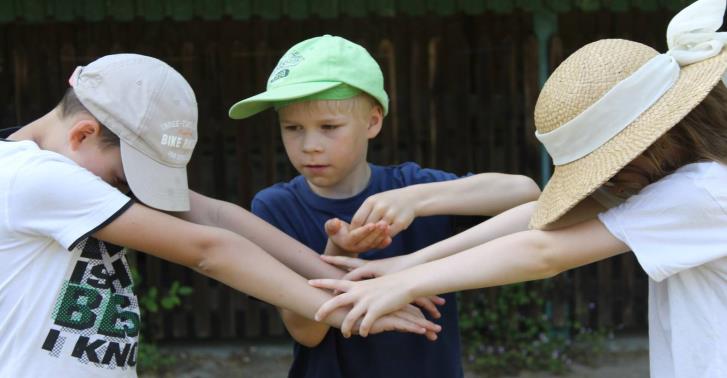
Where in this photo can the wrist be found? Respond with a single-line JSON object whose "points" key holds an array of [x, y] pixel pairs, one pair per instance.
{"points": [[424, 199], [333, 249]]}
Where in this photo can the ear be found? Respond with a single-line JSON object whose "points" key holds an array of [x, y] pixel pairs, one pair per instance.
{"points": [[82, 131], [376, 120]]}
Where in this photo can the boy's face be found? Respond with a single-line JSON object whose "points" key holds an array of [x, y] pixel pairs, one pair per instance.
{"points": [[327, 143], [87, 150]]}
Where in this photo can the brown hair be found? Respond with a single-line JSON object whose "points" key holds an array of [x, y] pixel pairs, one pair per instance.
{"points": [[700, 135], [71, 105]]}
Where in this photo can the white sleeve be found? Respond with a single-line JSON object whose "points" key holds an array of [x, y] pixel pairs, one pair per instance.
{"points": [[53, 197], [672, 225]]}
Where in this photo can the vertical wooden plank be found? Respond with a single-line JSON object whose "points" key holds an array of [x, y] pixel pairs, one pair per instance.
{"points": [[605, 293], [433, 55], [389, 136], [531, 89]]}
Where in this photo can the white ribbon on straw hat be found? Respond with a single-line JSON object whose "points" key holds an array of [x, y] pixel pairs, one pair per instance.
{"points": [[691, 36]]}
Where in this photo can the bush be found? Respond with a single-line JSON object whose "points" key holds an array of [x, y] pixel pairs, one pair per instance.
{"points": [[153, 300], [506, 330]]}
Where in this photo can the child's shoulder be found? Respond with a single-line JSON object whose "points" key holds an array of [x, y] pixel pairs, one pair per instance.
{"points": [[26, 157], [411, 173], [281, 190]]}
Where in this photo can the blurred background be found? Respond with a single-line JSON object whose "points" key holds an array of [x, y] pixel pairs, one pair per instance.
{"points": [[463, 77]]}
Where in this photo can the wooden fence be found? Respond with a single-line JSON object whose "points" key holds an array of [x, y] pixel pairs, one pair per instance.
{"points": [[463, 90]]}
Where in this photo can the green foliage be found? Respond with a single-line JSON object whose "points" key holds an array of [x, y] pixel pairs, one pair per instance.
{"points": [[153, 300], [506, 330]]}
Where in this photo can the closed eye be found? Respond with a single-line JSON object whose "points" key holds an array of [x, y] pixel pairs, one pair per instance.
{"points": [[292, 127], [330, 127]]}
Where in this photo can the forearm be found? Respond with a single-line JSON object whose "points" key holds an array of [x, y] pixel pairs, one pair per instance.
{"points": [[305, 331], [485, 194], [287, 250], [519, 257], [510, 221], [244, 266]]}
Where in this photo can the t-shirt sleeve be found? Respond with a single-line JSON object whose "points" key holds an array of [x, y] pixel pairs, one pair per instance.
{"points": [[58, 199], [672, 225], [413, 174]]}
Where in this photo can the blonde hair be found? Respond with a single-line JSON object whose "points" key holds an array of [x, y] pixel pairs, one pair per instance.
{"points": [[359, 106], [701, 135]]}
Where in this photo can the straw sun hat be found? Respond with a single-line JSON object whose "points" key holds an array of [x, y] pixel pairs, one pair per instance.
{"points": [[592, 72]]}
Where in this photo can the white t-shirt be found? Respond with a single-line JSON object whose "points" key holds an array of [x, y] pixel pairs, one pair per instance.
{"points": [[66, 303], [677, 228]]}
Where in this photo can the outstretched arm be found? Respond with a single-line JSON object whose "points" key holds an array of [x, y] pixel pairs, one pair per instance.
{"points": [[230, 259], [485, 194], [212, 212], [295, 255], [508, 222], [519, 257]]}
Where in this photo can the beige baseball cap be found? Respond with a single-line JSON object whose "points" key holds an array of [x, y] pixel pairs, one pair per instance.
{"points": [[153, 110]]}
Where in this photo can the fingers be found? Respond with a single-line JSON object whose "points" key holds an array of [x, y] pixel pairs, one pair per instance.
{"points": [[429, 306], [359, 218], [419, 320], [378, 233], [351, 319], [359, 274], [376, 214], [335, 302], [358, 235], [344, 262], [402, 324], [332, 226], [439, 301]]}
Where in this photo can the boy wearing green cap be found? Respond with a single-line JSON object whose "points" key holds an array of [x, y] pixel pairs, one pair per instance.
{"points": [[330, 98], [67, 307]]}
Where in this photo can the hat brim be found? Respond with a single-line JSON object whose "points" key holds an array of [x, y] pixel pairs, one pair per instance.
{"points": [[572, 182], [255, 104], [154, 184]]}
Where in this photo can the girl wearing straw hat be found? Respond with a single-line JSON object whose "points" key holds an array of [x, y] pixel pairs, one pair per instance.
{"points": [[639, 138]]}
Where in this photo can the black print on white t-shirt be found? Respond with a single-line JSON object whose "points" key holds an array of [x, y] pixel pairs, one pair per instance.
{"points": [[96, 318]]}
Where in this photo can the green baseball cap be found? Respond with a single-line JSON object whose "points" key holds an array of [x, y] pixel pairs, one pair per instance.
{"points": [[325, 67]]}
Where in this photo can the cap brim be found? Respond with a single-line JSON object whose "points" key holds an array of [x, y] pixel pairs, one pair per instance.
{"points": [[256, 104], [154, 184], [573, 182]]}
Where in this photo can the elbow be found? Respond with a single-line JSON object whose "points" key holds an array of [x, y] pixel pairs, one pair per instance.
{"points": [[208, 255], [306, 339], [547, 262], [525, 187]]}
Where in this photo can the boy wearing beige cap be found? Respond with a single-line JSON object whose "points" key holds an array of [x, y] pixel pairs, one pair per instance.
{"points": [[66, 302], [330, 98]]}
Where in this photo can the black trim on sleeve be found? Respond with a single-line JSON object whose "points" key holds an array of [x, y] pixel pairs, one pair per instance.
{"points": [[103, 224], [4, 133]]}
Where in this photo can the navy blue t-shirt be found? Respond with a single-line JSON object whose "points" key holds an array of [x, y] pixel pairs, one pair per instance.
{"points": [[295, 209]]}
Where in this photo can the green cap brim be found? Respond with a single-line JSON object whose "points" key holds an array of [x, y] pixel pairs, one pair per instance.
{"points": [[255, 104]]}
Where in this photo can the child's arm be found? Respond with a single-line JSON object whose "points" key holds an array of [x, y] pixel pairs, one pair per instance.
{"points": [[485, 194], [208, 211], [230, 259], [211, 212], [519, 257], [508, 222]]}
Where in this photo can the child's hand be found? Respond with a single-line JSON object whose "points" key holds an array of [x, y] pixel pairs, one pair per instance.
{"points": [[360, 239], [360, 269], [408, 319], [393, 207], [371, 299]]}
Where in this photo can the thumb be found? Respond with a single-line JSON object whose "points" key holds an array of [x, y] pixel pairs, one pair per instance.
{"points": [[332, 226]]}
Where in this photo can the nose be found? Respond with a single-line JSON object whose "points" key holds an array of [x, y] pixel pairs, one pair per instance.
{"points": [[312, 142]]}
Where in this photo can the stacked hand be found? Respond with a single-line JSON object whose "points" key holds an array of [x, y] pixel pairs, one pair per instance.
{"points": [[407, 319], [370, 300], [380, 218]]}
